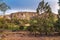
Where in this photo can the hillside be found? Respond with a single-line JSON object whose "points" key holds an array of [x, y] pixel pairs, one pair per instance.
{"points": [[25, 15], [21, 15]]}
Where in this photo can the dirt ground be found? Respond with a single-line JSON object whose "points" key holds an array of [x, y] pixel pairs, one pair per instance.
{"points": [[22, 35]]}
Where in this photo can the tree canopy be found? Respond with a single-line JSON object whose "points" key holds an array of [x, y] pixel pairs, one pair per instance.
{"points": [[4, 7], [43, 7]]}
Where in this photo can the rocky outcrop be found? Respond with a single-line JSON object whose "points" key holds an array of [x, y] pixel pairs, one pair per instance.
{"points": [[26, 15], [23, 15]]}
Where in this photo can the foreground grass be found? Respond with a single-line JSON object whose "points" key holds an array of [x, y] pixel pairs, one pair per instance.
{"points": [[24, 35]]}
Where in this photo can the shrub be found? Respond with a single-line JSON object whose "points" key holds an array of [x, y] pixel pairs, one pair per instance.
{"points": [[12, 26]]}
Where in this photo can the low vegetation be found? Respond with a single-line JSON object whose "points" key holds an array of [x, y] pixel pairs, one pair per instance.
{"points": [[44, 24]]}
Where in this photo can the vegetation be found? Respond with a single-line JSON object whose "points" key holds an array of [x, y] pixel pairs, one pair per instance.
{"points": [[43, 24], [43, 7], [3, 7], [57, 26]]}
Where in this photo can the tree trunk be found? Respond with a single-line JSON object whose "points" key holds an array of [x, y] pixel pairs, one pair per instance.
{"points": [[35, 34], [45, 33], [4, 14]]}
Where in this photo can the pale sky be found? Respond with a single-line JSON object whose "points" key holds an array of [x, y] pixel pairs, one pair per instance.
{"points": [[28, 5]]}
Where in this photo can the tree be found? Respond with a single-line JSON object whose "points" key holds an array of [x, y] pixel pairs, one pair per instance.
{"points": [[33, 26], [4, 7], [57, 24], [43, 24], [43, 7]]}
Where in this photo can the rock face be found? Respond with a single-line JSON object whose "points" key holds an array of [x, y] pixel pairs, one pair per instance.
{"points": [[26, 15], [21, 15]]}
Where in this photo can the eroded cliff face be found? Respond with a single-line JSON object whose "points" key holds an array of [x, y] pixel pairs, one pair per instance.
{"points": [[21, 15], [26, 15]]}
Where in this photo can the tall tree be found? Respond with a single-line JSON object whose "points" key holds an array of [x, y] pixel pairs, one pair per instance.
{"points": [[4, 7], [43, 7], [57, 25]]}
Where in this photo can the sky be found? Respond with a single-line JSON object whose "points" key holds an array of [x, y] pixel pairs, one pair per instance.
{"points": [[28, 5]]}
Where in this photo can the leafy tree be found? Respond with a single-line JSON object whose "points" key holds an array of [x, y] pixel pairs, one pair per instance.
{"points": [[15, 21], [46, 20], [33, 26], [12, 26], [49, 25], [43, 7], [42, 24], [57, 24], [4, 7]]}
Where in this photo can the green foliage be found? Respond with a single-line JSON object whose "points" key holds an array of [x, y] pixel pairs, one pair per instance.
{"points": [[15, 24], [25, 28], [43, 7], [21, 28], [15, 21], [42, 24], [3, 7], [57, 25], [12, 26], [39, 24]]}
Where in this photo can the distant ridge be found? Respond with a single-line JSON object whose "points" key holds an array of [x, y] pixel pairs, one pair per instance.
{"points": [[21, 15], [26, 15]]}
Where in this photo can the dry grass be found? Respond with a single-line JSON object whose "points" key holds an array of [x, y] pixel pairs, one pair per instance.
{"points": [[22, 35]]}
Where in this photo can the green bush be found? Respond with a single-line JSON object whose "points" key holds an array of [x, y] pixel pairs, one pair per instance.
{"points": [[25, 27], [12, 26], [21, 28]]}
